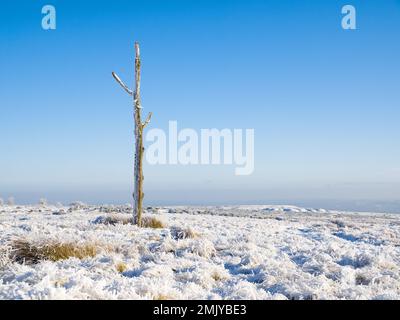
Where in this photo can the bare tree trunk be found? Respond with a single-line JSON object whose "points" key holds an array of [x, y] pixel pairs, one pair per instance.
{"points": [[139, 149], [138, 192]]}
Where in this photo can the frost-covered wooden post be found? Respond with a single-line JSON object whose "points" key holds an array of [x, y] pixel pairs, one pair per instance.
{"points": [[139, 148]]}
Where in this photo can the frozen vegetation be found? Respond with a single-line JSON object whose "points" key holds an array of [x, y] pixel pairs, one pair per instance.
{"points": [[241, 252]]}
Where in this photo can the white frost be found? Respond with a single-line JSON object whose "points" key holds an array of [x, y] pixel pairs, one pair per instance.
{"points": [[241, 252]]}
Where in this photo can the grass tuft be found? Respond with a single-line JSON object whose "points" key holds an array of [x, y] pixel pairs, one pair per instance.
{"points": [[113, 220], [216, 276], [162, 297], [24, 251], [186, 233], [147, 222], [151, 222], [121, 267]]}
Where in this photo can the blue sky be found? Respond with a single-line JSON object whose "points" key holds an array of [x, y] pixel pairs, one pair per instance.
{"points": [[323, 101]]}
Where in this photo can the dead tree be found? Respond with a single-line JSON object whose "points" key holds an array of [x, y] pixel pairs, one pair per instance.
{"points": [[139, 148]]}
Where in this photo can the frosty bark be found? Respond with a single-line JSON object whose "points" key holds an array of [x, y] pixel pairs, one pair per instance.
{"points": [[139, 149], [138, 192]]}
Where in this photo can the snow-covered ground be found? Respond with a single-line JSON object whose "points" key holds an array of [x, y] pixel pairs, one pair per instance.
{"points": [[241, 252]]}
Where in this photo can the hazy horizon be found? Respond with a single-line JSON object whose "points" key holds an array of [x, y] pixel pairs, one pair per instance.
{"points": [[124, 197]]}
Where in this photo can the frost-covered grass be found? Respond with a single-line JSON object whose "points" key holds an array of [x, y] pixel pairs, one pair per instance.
{"points": [[30, 252], [243, 252]]}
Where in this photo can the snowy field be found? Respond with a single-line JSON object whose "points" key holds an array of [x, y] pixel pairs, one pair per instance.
{"points": [[242, 252]]}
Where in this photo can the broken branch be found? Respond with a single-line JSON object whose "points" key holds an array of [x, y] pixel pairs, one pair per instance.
{"points": [[147, 119], [123, 85]]}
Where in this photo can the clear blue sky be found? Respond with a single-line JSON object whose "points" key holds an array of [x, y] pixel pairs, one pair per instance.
{"points": [[324, 102]]}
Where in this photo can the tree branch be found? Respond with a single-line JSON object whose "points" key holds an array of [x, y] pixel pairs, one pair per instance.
{"points": [[122, 84], [147, 119]]}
